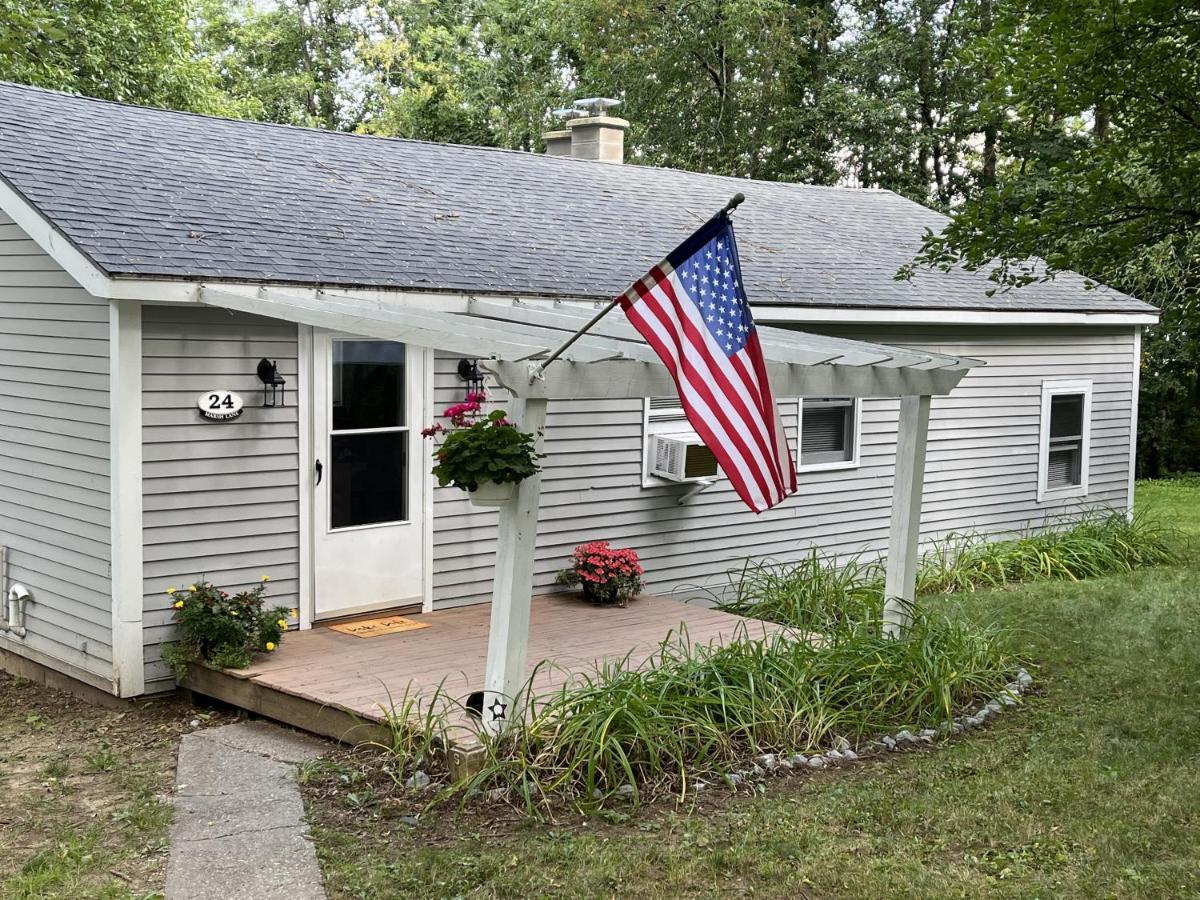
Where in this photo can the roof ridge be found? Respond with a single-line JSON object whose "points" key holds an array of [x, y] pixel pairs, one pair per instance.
{"points": [[544, 159]]}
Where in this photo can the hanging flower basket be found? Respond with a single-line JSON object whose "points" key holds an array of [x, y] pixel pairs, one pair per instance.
{"points": [[484, 455], [492, 493]]}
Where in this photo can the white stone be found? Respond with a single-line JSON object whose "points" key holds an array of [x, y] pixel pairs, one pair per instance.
{"points": [[816, 762], [417, 781]]}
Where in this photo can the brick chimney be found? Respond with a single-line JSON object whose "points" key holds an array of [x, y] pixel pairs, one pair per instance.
{"points": [[590, 133]]}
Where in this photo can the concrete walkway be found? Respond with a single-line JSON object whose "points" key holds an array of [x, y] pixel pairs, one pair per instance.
{"points": [[239, 831]]}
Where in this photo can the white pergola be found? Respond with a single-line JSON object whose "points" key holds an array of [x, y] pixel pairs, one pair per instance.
{"points": [[612, 361]]}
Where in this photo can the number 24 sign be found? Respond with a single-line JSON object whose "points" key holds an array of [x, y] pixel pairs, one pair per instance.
{"points": [[219, 404]]}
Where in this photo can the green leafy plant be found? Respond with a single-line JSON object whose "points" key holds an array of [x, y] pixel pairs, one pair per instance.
{"points": [[694, 711], [478, 448], [221, 629], [608, 574]]}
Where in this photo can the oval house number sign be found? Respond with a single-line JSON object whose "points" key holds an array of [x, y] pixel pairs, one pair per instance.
{"points": [[219, 404]]}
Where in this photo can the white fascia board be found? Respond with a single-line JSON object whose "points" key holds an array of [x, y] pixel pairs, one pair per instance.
{"points": [[51, 240], [169, 291], [774, 315]]}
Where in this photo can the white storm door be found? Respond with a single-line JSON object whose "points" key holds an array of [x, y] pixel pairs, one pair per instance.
{"points": [[369, 502]]}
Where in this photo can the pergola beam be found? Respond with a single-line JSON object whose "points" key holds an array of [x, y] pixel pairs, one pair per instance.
{"points": [[632, 380]]}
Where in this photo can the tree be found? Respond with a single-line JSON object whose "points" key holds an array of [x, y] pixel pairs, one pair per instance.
{"points": [[734, 87], [293, 62], [482, 72], [913, 122], [135, 51], [1100, 173]]}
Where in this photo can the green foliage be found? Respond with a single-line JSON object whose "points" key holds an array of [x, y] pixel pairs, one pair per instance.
{"points": [[292, 61], [813, 595], [696, 710], [221, 629], [1098, 545], [135, 51], [490, 449], [823, 592]]}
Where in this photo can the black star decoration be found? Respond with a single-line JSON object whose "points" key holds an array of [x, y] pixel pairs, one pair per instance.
{"points": [[497, 709]]}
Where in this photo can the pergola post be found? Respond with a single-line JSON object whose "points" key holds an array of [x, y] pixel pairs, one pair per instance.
{"points": [[508, 637], [903, 556]]}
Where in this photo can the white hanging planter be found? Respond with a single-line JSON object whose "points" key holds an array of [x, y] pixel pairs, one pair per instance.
{"points": [[491, 493]]}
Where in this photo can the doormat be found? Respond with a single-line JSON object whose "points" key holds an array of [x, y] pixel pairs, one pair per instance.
{"points": [[367, 628]]}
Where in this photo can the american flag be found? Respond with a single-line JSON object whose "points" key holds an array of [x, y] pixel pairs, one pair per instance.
{"points": [[692, 309]]}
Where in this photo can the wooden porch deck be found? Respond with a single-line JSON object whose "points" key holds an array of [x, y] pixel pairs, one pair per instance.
{"points": [[340, 686]]}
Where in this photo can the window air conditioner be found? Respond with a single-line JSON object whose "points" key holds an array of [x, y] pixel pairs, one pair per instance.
{"points": [[682, 457]]}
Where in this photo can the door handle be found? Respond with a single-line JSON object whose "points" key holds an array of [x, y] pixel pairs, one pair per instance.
{"points": [[320, 471]]}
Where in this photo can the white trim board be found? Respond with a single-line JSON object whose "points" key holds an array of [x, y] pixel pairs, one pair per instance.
{"points": [[55, 243], [1133, 415], [125, 486]]}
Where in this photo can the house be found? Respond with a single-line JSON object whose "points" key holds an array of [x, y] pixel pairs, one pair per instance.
{"points": [[151, 259]]}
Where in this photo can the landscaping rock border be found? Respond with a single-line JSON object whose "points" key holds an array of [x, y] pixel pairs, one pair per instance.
{"points": [[842, 752]]}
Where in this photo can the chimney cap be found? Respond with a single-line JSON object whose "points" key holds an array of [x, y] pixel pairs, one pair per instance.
{"points": [[596, 106]]}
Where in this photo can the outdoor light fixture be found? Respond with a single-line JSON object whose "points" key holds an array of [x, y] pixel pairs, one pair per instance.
{"points": [[273, 382], [469, 371]]}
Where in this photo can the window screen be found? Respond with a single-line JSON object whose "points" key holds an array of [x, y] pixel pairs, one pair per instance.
{"points": [[826, 430], [1064, 461]]}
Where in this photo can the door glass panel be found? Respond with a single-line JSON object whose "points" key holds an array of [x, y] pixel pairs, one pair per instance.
{"points": [[368, 384], [368, 484]]}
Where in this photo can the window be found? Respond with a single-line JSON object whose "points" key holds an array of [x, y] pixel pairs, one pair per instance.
{"points": [[1064, 444], [829, 429]]}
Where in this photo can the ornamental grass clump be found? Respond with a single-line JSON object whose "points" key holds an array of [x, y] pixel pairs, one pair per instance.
{"points": [[1099, 544], [696, 711], [222, 629]]}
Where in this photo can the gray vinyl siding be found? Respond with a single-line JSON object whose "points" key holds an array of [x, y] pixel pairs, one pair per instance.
{"points": [[981, 471], [221, 499], [54, 457]]}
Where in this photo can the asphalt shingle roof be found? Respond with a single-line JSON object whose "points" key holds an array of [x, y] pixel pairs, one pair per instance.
{"points": [[149, 192]]}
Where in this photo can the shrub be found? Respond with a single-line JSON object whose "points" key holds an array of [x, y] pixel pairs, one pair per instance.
{"points": [[223, 630], [607, 574]]}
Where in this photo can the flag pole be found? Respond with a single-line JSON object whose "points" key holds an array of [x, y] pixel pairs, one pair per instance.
{"points": [[535, 373]]}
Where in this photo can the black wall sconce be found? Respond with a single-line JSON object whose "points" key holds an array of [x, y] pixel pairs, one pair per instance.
{"points": [[469, 371], [273, 383]]}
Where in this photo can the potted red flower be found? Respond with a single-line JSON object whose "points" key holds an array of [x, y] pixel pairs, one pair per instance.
{"points": [[606, 573], [484, 455]]}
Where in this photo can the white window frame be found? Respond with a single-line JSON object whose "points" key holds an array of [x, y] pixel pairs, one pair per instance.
{"points": [[1051, 389], [856, 458]]}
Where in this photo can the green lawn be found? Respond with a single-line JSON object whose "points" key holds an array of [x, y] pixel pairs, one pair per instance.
{"points": [[1091, 790], [84, 808]]}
